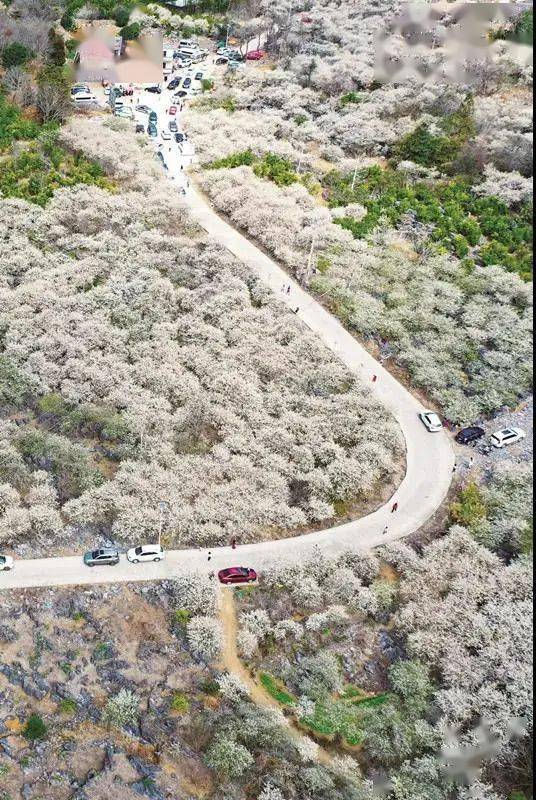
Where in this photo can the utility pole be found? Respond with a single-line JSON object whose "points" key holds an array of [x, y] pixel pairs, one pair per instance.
{"points": [[162, 507], [354, 179]]}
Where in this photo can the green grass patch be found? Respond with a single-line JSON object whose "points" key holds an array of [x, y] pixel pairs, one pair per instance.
{"points": [[180, 703], [276, 689]]}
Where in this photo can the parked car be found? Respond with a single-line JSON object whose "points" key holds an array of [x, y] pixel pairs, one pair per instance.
{"points": [[180, 137], [172, 111], [154, 89], [166, 135], [125, 112], [255, 55], [105, 556], [140, 128], [180, 95], [470, 435], [172, 125], [431, 421], [6, 563], [237, 575], [153, 117], [198, 76], [152, 130], [80, 87], [174, 83], [507, 436], [145, 552], [187, 82], [84, 98], [143, 109], [221, 60]]}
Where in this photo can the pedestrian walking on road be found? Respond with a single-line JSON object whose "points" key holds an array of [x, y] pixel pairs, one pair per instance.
{"points": [[394, 508], [288, 289], [233, 544], [296, 309], [374, 378], [385, 530], [209, 556]]}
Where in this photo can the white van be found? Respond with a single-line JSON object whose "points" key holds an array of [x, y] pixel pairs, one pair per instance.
{"points": [[84, 99], [187, 43], [190, 50]]}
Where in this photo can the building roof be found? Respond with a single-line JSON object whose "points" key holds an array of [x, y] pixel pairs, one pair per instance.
{"points": [[94, 49]]}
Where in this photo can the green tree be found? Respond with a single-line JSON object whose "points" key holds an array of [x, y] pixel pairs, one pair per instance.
{"points": [[121, 15], [14, 54], [56, 48], [130, 32], [470, 508], [228, 757]]}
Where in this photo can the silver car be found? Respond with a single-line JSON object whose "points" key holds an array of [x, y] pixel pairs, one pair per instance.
{"points": [[105, 556]]}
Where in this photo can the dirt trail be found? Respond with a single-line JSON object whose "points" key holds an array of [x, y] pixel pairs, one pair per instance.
{"points": [[232, 663]]}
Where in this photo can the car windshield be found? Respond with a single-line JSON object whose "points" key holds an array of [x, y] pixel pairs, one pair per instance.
{"points": [[2, 560], [95, 553], [138, 551], [243, 571]]}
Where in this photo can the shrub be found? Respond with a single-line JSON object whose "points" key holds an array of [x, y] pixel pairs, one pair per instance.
{"points": [[122, 710], [130, 32], [35, 728], [470, 507], [15, 54], [67, 706], [121, 15], [180, 703]]}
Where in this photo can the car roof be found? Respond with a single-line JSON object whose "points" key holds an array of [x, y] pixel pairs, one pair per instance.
{"points": [[150, 547]]}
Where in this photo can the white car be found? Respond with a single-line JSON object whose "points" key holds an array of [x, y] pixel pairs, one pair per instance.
{"points": [[145, 552], [431, 421], [166, 135], [6, 563], [507, 436]]}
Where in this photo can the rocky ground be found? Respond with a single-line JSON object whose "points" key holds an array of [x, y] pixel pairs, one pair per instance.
{"points": [[63, 655]]}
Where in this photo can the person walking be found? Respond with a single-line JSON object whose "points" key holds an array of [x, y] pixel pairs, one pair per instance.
{"points": [[385, 530], [394, 508], [233, 544], [374, 378], [296, 309], [209, 558], [288, 289]]}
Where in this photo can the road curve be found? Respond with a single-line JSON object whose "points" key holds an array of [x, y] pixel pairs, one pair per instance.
{"points": [[429, 457]]}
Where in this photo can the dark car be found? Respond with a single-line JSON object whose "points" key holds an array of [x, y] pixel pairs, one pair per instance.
{"points": [[152, 130], [172, 125], [470, 435], [180, 137], [187, 82], [106, 556], [153, 117], [154, 89], [174, 82], [237, 575], [180, 95], [140, 128]]}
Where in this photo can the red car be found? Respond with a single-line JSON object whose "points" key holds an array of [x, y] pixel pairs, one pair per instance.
{"points": [[255, 55], [237, 575], [172, 110]]}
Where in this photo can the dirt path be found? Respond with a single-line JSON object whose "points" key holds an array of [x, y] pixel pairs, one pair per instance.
{"points": [[232, 663]]}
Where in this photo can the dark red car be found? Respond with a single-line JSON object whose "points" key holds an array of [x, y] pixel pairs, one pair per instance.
{"points": [[237, 575], [255, 55]]}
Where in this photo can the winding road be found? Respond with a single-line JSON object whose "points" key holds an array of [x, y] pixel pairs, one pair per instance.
{"points": [[429, 456]]}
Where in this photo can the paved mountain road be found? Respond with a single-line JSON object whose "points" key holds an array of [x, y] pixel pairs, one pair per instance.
{"points": [[429, 456]]}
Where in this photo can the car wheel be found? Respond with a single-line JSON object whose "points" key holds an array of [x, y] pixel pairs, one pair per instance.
{"points": [[135, 561], [157, 560]]}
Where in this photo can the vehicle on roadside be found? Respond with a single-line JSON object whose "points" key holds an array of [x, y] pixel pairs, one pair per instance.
{"points": [[431, 421], [153, 117], [165, 135], [145, 552], [105, 556], [143, 109], [187, 82], [85, 99], [184, 61], [180, 95], [80, 87], [180, 137], [174, 82], [255, 55], [470, 435], [199, 76], [140, 128], [507, 436], [237, 575], [125, 112], [152, 130], [172, 125], [221, 61], [6, 563], [156, 89], [172, 111]]}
